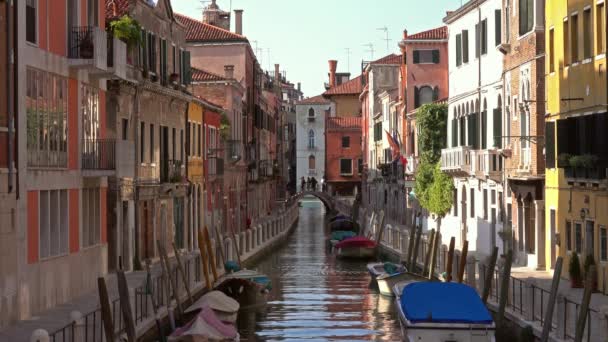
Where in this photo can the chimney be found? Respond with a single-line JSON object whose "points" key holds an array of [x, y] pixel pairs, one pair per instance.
{"points": [[404, 34], [333, 65], [238, 21], [229, 71], [299, 86], [277, 73]]}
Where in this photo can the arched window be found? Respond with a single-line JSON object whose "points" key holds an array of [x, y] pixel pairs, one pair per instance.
{"points": [[311, 139], [426, 95], [312, 163], [311, 113]]}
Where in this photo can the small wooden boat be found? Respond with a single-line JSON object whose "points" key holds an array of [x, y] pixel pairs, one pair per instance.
{"points": [[386, 281], [206, 326], [343, 224], [436, 311], [247, 287], [378, 268], [358, 247]]}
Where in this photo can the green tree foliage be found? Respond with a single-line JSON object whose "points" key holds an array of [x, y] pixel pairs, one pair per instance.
{"points": [[433, 188], [126, 29]]}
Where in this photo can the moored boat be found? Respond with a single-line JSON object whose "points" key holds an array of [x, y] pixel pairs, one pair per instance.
{"points": [[343, 224], [378, 268], [356, 247], [249, 288], [436, 311], [387, 281]]}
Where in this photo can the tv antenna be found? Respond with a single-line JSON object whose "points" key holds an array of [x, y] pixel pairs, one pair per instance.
{"points": [[348, 53], [385, 30], [370, 49]]}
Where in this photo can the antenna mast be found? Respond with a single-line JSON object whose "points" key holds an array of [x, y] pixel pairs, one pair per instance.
{"points": [[385, 30], [371, 49]]}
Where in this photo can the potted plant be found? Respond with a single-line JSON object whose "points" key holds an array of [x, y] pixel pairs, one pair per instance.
{"points": [[578, 162], [590, 163], [590, 261], [86, 47], [173, 78], [563, 160], [574, 271], [224, 126]]}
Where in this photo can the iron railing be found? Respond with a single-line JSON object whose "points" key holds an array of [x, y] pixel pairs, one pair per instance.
{"points": [[98, 154]]}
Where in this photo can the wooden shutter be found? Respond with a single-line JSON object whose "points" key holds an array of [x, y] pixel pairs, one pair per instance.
{"points": [[163, 60], [416, 56], [484, 36], [497, 132], [435, 93], [484, 129], [498, 27], [143, 60], [458, 50], [416, 97], [436, 56], [187, 70], [477, 40], [454, 132], [550, 144], [465, 46]]}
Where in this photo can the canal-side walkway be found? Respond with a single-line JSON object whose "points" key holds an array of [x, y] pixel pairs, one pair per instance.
{"points": [[80, 319], [528, 289]]}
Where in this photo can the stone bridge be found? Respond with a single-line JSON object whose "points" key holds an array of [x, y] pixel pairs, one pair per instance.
{"points": [[324, 197]]}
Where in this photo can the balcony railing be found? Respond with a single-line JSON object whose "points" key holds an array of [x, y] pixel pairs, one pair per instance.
{"points": [[117, 57], [487, 163], [234, 150], [88, 47], [456, 160], [47, 159], [98, 154], [598, 172]]}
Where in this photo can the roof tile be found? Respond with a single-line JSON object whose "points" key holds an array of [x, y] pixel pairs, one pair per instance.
{"points": [[199, 75], [388, 59], [117, 8], [319, 99], [436, 33], [200, 32], [343, 123], [353, 86]]}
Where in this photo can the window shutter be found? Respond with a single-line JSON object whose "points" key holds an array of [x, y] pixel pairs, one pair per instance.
{"points": [[477, 40], [497, 132], [458, 50], [454, 132], [465, 46], [498, 27], [187, 70], [484, 36], [462, 128], [530, 15], [416, 97], [143, 60], [416, 56], [435, 93], [436, 56], [163, 64], [550, 144], [484, 129]]}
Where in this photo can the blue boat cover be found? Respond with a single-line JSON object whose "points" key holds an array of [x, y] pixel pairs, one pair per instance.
{"points": [[436, 302]]}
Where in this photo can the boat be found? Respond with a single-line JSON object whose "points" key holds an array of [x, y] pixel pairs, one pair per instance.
{"points": [[378, 268], [224, 307], [437, 311], [356, 247], [343, 224], [386, 281], [249, 288], [206, 326]]}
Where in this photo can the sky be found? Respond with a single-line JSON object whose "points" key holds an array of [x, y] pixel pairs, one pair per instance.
{"points": [[302, 35]]}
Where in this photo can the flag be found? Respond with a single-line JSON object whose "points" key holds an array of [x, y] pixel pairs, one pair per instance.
{"points": [[396, 149]]}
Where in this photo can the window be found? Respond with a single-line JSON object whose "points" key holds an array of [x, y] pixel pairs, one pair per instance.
{"points": [[31, 18], [493, 197], [90, 217], [360, 166], [426, 95], [481, 38], [472, 203], [163, 61], [185, 71], [311, 163], [455, 201], [142, 140], [151, 143], [311, 139], [125, 129], [173, 145], [46, 119], [426, 56], [497, 27], [458, 49], [485, 204], [587, 34], [551, 56], [578, 237], [90, 114], [151, 53], [465, 46], [603, 244], [526, 16], [378, 131], [567, 57], [507, 22], [181, 145], [93, 12], [574, 39], [53, 223], [199, 140], [345, 142], [346, 166], [501, 209], [568, 235], [600, 13]]}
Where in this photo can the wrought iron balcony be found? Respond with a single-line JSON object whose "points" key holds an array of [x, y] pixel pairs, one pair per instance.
{"points": [[98, 154], [456, 160], [88, 47]]}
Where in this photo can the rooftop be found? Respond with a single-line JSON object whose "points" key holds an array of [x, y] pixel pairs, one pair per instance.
{"points": [[199, 75], [353, 86], [319, 99], [432, 34], [197, 31], [344, 123]]}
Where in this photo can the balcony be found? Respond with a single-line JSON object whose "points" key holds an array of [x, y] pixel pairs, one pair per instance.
{"points": [[98, 154], [412, 165], [234, 150], [117, 57], [456, 160], [172, 171], [47, 158], [487, 164], [88, 48], [215, 167]]}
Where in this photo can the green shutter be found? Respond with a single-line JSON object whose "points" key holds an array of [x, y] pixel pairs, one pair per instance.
{"points": [[416, 56], [498, 27], [465, 46], [484, 36], [163, 60], [436, 56], [497, 128], [416, 97], [142, 50], [477, 40], [484, 129], [187, 71], [458, 50], [454, 132]]}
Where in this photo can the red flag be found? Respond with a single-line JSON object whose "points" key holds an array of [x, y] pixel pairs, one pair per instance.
{"points": [[394, 145]]}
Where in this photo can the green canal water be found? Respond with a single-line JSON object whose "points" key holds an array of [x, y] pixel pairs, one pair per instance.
{"points": [[316, 297]]}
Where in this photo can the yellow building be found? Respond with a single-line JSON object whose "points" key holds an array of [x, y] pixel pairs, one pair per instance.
{"points": [[576, 134], [196, 175]]}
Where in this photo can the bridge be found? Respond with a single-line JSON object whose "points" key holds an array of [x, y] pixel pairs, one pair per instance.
{"points": [[324, 197]]}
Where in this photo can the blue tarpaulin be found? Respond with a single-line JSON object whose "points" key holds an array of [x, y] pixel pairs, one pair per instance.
{"points": [[436, 302]]}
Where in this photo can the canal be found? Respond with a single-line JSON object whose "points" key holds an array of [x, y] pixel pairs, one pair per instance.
{"points": [[315, 297]]}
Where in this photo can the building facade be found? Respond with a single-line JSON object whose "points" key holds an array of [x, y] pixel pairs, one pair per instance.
{"points": [[310, 137], [575, 138], [474, 119]]}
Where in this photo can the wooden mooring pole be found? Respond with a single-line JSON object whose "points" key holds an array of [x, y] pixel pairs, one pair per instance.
{"points": [[434, 252], [487, 283], [414, 259], [125, 306], [448, 267], [584, 308], [410, 247], [106, 310], [504, 288], [557, 272], [463, 260], [429, 249]]}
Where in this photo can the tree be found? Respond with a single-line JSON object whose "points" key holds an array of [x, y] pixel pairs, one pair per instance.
{"points": [[434, 189]]}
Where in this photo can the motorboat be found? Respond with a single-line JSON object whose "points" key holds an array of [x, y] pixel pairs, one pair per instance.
{"points": [[438, 311], [358, 247], [249, 288], [378, 268]]}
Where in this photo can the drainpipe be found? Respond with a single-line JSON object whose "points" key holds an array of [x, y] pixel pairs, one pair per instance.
{"points": [[10, 94], [135, 122]]}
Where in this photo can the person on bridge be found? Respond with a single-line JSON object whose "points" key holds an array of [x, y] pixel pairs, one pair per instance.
{"points": [[309, 183], [314, 184], [303, 184]]}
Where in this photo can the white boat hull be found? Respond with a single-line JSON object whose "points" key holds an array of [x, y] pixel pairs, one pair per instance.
{"points": [[386, 282]]}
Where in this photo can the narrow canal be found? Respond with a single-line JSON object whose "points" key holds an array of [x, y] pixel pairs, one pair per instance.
{"points": [[316, 297]]}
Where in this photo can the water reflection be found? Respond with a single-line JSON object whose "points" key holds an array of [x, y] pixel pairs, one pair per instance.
{"points": [[316, 297]]}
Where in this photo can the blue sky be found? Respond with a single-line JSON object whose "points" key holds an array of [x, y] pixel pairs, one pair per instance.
{"points": [[302, 35]]}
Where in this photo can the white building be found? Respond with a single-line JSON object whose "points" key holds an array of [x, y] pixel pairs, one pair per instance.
{"points": [[474, 120], [310, 137]]}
